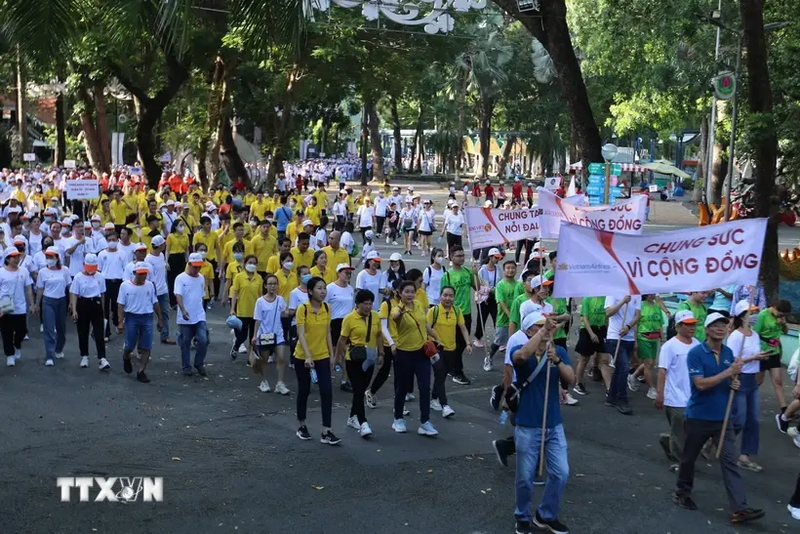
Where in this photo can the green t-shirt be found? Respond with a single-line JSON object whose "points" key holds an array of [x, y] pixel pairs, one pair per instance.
{"points": [[700, 313], [767, 327], [559, 308], [594, 309], [504, 292], [515, 309], [461, 281], [651, 319], [519, 290]]}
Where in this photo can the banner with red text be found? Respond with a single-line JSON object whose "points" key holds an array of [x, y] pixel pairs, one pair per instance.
{"points": [[487, 226], [593, 263], [626, 217]]}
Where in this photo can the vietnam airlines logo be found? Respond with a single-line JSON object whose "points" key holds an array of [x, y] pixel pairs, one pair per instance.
{"points": [[563, 267], [487, 228]]}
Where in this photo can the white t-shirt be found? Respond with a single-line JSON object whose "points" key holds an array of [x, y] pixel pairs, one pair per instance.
{"points": [[12, 285], [365, 215], [454, 222], [128, 273], [111, 264], [137, 299], [341, 299], [431, 281], [529, 306], [373, 282], [34, 243], [76, 258], [347, 242], [408, 213], [158, 272], [88, 286], [269, 315], [296, 298], [127, 251], [191, 289], [677, 388], [54, 282], [752, 346], [427, 220], [381, 205], [616, 322], [490, 278]]}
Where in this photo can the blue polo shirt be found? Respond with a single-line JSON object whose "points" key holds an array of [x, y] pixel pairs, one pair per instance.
{"points": [[708, 405], [531, 405]]}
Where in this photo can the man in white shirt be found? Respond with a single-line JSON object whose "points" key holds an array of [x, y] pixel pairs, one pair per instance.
{"points": [[75, 247], [454, 227], [136, 305], [623, 315], [381, 205], [158, 275], [674, 386], [111, 262], [189, 291]]}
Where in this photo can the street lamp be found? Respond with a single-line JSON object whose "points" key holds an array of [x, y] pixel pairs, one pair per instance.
{"points": [[609, 152]]}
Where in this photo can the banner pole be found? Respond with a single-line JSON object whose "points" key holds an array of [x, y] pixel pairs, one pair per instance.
{"points": [[613, 362], [544, 412]]}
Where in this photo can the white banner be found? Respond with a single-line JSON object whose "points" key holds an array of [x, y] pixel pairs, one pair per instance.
{"points": [[592, 263], [487, 226], [29, 156], [70, 164], [627, 217], [82, 189]]}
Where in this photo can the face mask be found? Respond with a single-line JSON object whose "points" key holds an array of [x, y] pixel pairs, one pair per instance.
{"points": [[238, 255], [112, 245], [253, 223], [292, 203], [51, 262], [48, 219], [439, 260], [95, 225], [395, 268], [305, 279], [250, 267], [288, 265], [180, 228]]}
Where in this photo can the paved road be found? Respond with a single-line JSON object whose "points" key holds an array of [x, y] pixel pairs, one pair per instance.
{"points": [[231, 462]]}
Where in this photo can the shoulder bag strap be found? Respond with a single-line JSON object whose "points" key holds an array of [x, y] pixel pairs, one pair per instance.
{"points": [[536, 371]]}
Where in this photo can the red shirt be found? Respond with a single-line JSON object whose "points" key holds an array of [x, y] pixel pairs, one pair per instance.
{"points": [[560, 192], [529, 193], [489, 191], [476, 190], [176, 184], [516, 189]]}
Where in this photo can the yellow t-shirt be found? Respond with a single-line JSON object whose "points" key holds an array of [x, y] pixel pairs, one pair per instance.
{"points": [[119, 211], [52, 193], [231, 272], [248, 290], [248, 200], [210, 241], [411, 335], [105, 217], [178, 243], [273, 265], [228, 249], [313, 213], [336, 257], [303, 260], [317, 329], [422, 297], [351, 205], [355, 327], [384, 313], [145, 215], [257, 209], [37, 199], [322, 199], [293, 230], [264, 248], [329, 276], [446, 325], [286, 284]]}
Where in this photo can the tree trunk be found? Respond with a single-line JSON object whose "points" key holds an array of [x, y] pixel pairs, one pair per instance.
{"points": [[375, 140], [229, 154], [61, 131], [419, 142], [462, 120], [510, 140], [215, 92], [486, 109], [90, 138], [699, 182], [766, 149], [363, 146], [282, 130], [23, 146], [549, 26], [398, 140], [719, 166], [101, 123]]}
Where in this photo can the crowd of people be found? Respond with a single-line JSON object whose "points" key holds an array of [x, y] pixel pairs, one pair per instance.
{"points": [[283, 265]]}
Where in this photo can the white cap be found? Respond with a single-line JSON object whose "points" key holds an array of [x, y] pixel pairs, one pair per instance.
{"points": [[536, 281], [95, 217], [410, 187], [51, 251], [370, 234], [196, 259], [495, 252], [533, 318], [374, 255], [158, 241], [308, 222], [741, 307], [109, 226], [685, 316], [713, 318], [170, 202], [90, 259], [11, 251], [396, 256], [140, 246], [516, 179], [141, 267], [344, 266]]}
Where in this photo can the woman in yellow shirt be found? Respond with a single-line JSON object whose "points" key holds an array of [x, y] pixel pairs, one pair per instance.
{"points": [[412, 332], [314, 350], [321, 269], [389, 332], [361, 331], [447, 321], [232, 270], [177, 253], [314, 211], [246, 289], [296, 227]]}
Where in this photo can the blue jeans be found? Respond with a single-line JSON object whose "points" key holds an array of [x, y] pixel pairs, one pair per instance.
{"points": [[138, 331], [54, 321], [745, 413], [528, 442], [186, 332], [619, 381], [163, 302]]}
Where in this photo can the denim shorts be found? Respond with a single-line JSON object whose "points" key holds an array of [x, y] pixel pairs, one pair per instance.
{"points": [[139, 331], [500, 335]]}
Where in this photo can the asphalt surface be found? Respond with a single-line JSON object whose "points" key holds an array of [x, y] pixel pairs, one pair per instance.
{"points": [[231, 462]]}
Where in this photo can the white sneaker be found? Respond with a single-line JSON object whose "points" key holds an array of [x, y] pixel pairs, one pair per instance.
{"points": [[387, 240], [436, 405], [17, 354], [427, 429], [365, 430], [49, 363], [41, 328], [242, 349], [11, 361], [264, 386], [84, 361], [409, 397], [352, 422], [652, 393], [794, 511], [394, 242], [478, 343], [26, 337], [571, 401], [104, 365], [271, 359], [59, 355], [793, 432], [447, 411], [633, 385], [281, 389], [399, 426], [487, 364]]}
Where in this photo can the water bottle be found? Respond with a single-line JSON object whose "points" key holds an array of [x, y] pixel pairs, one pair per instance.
{"points": [[337, 368], [313, 376], [503, 417]]}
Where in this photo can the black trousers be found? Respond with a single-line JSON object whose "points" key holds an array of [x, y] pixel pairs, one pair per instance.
{"points": [[247, 331], [380, 223], [14, 328], [336, 330], [383, 373], [439, 391], [90, 315], [488, 309], [110, 304], [456, 364], [528, 244], [359, 379], [177, 264], [215, 266]]}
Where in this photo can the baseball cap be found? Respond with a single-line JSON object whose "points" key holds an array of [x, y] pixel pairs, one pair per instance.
{"points": [[685, 316], [537, 281], [90, 262], [158, 241], [370, 234], [396, 256], [51, 251], [141, 267], [170, 202], [496, 252], [95, 217], [140, 246], [713, 318], [741, 307], [374, 255], [19, 240], [11, 251], [196, 259], [308, 222], [410, 187], [109, 226], [533, 318], [344, 267]]}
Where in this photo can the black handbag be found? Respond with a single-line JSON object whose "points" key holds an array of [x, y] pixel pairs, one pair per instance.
{"points": [[358, 353]]}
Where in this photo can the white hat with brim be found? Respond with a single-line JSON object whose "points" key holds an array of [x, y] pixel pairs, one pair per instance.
{"points": [[713, 318], [533, 318]]}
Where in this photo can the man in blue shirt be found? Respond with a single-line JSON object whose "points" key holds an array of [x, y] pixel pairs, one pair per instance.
{"points": [[283, 216], [530, 413], [713, 373]]}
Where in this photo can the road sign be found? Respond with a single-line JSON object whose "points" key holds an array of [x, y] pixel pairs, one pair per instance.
{"points": [[616, 169], [594, 190], [597, 180], [725, 86], [614, 191], [597, 168]]}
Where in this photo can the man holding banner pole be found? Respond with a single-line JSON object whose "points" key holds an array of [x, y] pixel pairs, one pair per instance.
{"points": [[623, 315]]}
